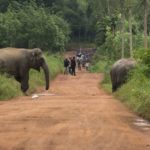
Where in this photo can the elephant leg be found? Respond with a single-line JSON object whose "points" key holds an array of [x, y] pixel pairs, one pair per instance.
{"points": [[24, 83], [114, 88], [18, 78]]}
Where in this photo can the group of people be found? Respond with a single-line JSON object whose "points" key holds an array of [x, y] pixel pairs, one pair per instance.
{"points": [[71, 63], [83, 61], [70, 66]]}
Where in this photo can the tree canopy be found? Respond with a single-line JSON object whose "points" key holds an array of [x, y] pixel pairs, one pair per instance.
{"points": [[117, 27]]}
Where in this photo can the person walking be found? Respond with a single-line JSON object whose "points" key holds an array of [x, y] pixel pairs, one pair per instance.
{"points": [[87, 66], [73, 66], [66, 65], [79, 63], [70, 69]]}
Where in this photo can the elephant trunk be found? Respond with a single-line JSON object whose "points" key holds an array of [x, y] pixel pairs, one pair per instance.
{"points": [[46, 72]]}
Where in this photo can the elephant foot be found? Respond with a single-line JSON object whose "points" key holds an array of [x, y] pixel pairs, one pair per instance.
{"points": [[26, 94], [114, 88]]}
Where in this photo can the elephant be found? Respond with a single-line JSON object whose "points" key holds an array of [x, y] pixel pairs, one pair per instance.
{"points": [[18, 61], [119, 72]]}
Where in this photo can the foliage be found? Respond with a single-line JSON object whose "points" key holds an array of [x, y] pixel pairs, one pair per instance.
{"points": [[50, 24], [102, 66], [74, 16], [88, 19], [136, 93], [11, 88], [33, 26], [143, 57], [112, 46], [103, 25]]}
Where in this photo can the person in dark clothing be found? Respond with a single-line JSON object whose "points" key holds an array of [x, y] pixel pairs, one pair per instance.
{"points": [[70, 69], [73, 66], [79, 63], [66, 65]]}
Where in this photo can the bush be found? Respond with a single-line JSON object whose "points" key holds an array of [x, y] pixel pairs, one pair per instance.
{"points": [[31, 26], [8, 87], [135, 93], [143, 57], [103, 66], [98, 67], [112, 46]]}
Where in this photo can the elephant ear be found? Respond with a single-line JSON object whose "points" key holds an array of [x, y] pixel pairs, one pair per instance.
{"points": [[36, 54]]}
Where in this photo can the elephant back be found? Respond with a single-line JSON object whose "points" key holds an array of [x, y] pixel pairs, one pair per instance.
{"points": [[7, 53], [124, 63]]}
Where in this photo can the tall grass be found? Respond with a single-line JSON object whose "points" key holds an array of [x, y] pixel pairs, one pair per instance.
{"points": [[103, 66], [100, 66], [10, 88], [135, 93]]}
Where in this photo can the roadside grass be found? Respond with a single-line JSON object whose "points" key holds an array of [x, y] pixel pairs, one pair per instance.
{"points": [[134, 94], [10, 88], [100, 66], [106, 83], [103, 66]]}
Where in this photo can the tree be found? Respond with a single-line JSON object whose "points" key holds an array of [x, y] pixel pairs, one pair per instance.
{"points": [[3, 5], [122, 5], [129, 5], [31, 26], [145, 3]]}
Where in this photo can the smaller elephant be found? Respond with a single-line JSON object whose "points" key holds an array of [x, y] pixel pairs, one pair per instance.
{"points": [[18, 62], [119, 72]]}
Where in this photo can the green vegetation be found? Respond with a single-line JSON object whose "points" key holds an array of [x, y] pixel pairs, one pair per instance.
{"points": [[10, 88], [32, 26], [122, 31], [118, 29], [47, 24], [99, 66], [103, 66], [136, 94]]}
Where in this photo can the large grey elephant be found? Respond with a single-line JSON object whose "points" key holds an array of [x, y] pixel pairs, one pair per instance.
{"points": [[18, 62], [119, 72]]}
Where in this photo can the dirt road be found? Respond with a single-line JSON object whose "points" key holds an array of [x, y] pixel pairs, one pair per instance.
{"points": [[73, 115]]}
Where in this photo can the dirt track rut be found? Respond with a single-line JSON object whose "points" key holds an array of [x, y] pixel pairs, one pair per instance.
{"points": [[79, 116]]}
